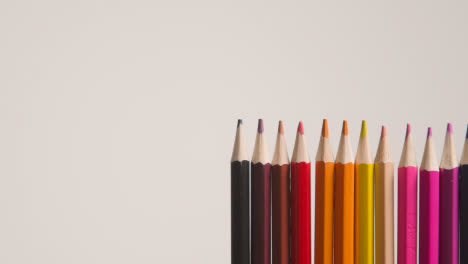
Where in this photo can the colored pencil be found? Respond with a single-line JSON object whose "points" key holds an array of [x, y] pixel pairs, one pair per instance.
{"points": [[240, 189], [364, 201], [280, 200], [260, 207], [384, 183], [429, 205], [407, 202], [324, 167], [448, 248], [344, 201], [464, 203], [300, 201]]}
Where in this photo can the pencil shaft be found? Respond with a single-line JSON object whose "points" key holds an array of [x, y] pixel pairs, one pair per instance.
{"points": [[429, 217], [384, 181], [240, 212], [260, 253], [324, 212], [407, 214], [280, 213], [464, 214], [344, 214], [448, 253], [364, 213], [300, 213]]}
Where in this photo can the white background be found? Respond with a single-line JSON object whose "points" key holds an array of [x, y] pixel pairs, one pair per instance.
{"points": [[117, 118]]}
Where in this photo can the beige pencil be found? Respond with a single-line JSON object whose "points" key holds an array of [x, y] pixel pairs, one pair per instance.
{"points": [[384, 183]]}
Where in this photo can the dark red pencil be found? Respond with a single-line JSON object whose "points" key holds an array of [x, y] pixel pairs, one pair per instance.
{"points": [[280, 200], [300, 201], [260, 253]]}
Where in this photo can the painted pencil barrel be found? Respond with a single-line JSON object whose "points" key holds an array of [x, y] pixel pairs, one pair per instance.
{"points": [[324, 212], [429, 217], [344, 214], [280, 213], [384, 232], [300, 213], [364, 214], [448, 248], [260, 253], [240, 212], [407, 214], [464, 214]]}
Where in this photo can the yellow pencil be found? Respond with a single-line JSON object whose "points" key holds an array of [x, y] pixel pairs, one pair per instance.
{"points": [[364, 201]]}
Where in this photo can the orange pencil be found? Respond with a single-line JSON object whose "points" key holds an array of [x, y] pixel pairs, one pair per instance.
{"points": [[324, 166], [344, 201]]}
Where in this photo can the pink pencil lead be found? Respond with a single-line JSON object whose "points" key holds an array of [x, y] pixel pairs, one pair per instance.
{"points": [[449, 128], [429, 132], [300, 128], [260, 126]]}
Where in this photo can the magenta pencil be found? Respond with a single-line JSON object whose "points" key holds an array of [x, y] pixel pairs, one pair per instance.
{"points": [[429, 205], [407, 203], [448, 249]]}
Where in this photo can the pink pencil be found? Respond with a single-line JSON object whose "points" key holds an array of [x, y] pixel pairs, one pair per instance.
{"points": [[407, 203], [429, 205]]}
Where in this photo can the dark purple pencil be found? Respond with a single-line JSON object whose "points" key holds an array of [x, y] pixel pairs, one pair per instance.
{"points": [[261, 238], [448, 226], [464, 203]]}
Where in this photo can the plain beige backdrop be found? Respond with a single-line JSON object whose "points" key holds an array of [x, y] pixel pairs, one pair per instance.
{"points": [[117, 118]]}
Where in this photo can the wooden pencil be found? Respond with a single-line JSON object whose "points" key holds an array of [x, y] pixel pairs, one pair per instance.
{"points": [[429, 205], [464, 203], [448, 227], [344, 201], [260, 191], [280, 200], [364, 201], [240, 190], [324, 169], [384, 184], [407, 202], [300, 201]]}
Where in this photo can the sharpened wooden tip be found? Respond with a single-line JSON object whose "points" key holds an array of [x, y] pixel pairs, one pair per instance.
{"points": [[325, 128], [363, 129], [344, 130], [300, 128], [280, 127]]}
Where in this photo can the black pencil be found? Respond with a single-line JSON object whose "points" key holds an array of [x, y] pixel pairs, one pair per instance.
{"points": [[240, 211], [464, 203]]}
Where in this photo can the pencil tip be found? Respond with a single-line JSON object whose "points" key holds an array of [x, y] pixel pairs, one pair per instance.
{"points": [[429, 132], [325, 128], [280, 127], [408, 129], [260, 126], [344, 131], [384, 132], [449, 128], [300, 128], [466, 131], [364, 129], [239, 122]]}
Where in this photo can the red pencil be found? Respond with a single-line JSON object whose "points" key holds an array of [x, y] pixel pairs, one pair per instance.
{"points": [[300, 201]]}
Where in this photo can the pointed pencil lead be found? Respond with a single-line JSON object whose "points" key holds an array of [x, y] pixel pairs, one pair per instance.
{"points": [[429, 132], [364, 129], [384, 132], [325, 128], [239, 122], [280, 127], [449, 128], [300, 128], [344, 131], [260, 126], [408, 130]]}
